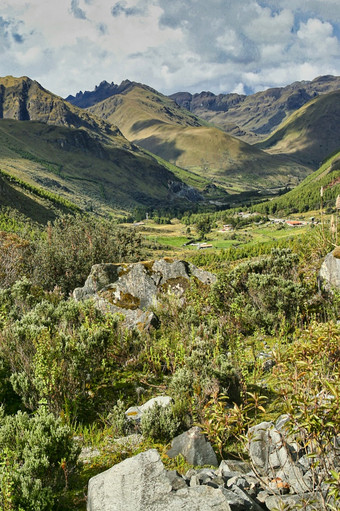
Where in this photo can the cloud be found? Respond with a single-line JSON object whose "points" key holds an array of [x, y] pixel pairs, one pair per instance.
{"points": [[121, 8], [219, 45], [77, 11]]}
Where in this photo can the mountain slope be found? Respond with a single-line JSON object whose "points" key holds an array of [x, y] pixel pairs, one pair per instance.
{"points": [[156, 123], [306, 196], [311, 134], [253, 117], [47, 141]]}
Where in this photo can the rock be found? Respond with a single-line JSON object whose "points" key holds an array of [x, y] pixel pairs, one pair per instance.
{"points": [[194, 447], [229, 466], [176, 480], [274, 457], [329, 274], [249, 503], [159, 400], [135, 413], [132, 289], [141, 484], [307, 502]]}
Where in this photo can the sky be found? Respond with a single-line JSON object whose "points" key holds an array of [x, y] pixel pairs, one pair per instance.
{"points": [[172, 45]]}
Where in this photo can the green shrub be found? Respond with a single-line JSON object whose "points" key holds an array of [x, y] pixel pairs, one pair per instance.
{"points": [[36, 455], [262, 294], [160, 423], [62, 353], [72, 244], [117, 420]]}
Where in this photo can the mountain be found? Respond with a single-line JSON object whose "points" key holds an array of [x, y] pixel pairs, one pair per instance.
{"points": [[306, 196], [311, 133], [48, 143], [253, 117], [102, 91], [155, 122]]}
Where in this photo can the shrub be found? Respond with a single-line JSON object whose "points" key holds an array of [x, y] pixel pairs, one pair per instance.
{"points": [[36, 455], [160, 423], [262, 294], [72, 244], [61, 353]]}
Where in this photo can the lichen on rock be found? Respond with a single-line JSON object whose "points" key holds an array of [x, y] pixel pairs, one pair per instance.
{"points": [[133, 289]]}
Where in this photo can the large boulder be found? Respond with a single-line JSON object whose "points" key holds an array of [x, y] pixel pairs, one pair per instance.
{"points": [[194, 447], [274, 455], [141, 484], [133, 289], [329, 275]]}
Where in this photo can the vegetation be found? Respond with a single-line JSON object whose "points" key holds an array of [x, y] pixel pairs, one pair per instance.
{"points": [[68, 371]]}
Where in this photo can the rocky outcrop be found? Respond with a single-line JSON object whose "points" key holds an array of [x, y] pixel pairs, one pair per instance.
{"points": [[133, 289], [329, 275], [141, 483]]}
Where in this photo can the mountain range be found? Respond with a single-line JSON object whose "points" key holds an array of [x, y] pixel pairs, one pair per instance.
{"points": [[125, 145]]}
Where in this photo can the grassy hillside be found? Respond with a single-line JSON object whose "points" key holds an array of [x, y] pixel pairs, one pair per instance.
{"points": [[306, 196], [311, 134], [156, 123], [91, 174]]}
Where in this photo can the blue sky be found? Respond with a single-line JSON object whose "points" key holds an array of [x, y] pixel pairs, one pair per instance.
{"points": [[171, 45]]}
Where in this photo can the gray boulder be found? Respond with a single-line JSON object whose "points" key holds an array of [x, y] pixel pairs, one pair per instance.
{"points": [[329, 275], [133, 289], [141, 484], [194, 447], [273, 455]]}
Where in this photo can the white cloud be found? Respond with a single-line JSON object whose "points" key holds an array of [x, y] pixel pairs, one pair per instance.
{"points": [[218, 45]]}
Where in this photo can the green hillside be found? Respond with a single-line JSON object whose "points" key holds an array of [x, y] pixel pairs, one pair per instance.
{"points": [[156, 123], [311, 134], [306, 196]]}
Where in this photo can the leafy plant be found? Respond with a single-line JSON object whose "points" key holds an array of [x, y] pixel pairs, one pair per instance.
{"points": [[35, 454]]}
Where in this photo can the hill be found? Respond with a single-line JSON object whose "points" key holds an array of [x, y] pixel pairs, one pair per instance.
{"points": [[311, 134], [47, 142], [253, 117], [306, 196], [156, 123]]}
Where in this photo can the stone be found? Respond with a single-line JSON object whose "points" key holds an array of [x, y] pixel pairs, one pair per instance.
{"points": [[159, 400], [230, 466], [249, 503], [259, 445], [141, 484], [194, 447], [176, 480], [274, 457], [306, 501], [134, 413], [133, 289], [329, 274]]}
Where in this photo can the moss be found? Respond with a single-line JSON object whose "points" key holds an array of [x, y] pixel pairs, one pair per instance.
{"points": [[177, 282], [336, 253], [125, 300], [124, 269], [148, 265], [169, 260]]}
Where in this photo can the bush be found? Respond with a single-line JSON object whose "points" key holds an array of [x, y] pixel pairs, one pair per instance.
{"points": [[160, 423], [72, 244], [36, 455], [61, 353], [262, 294]]}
